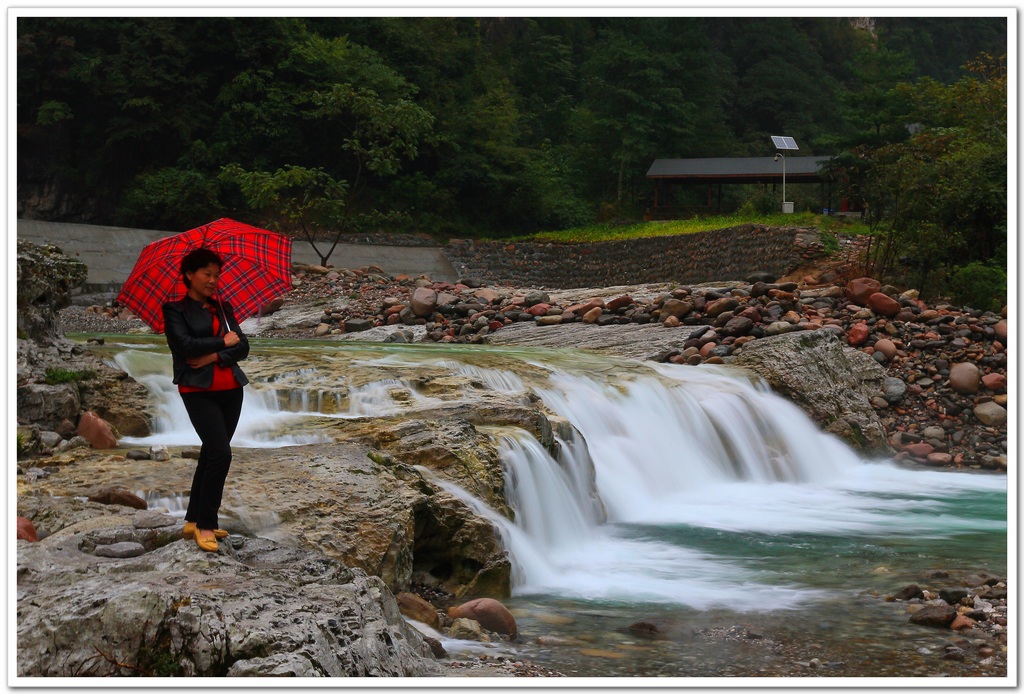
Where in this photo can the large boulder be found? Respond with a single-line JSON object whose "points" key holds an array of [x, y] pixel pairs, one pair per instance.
{"points": [[965, 378], [46, 279], [830, 381], [264, 609], [858, 290], [97, 431], [364, 508], [47, 405], [489, 613]]}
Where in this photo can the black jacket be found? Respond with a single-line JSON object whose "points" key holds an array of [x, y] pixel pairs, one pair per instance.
{"points": [[189, 330]]}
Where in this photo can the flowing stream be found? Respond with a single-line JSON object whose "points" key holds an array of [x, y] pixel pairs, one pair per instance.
{"points": [[686, 497]]}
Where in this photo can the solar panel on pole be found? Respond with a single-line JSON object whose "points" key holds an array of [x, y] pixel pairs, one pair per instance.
{"points": [[784, 142]]}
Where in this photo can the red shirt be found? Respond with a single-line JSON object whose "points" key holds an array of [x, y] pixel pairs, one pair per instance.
{"points": [[223, 376]]}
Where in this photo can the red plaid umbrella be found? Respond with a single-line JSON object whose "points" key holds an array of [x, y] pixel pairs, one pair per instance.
{"points": [[257, 269]]}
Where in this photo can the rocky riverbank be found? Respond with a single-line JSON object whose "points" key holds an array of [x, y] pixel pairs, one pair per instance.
{"points": [[368, 523], [942, 400]]}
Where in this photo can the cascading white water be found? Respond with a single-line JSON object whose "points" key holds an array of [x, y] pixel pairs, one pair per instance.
{"points": [[660, 453], [260, 425]]}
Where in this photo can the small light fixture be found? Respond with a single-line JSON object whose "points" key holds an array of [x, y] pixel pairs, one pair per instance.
{"points": [[786, 143]]}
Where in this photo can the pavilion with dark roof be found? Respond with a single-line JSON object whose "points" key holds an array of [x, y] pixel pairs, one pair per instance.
{"points": [[712, 173]]}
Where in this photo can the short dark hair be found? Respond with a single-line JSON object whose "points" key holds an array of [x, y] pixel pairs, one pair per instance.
{"points": [[199, 258]]}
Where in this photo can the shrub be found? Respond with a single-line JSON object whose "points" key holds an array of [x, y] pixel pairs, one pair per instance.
{"points": [[762, 202], [830, 242], [57, 375], [979, 286]]}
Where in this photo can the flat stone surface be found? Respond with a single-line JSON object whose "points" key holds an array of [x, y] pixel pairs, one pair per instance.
{"points": [[120, 550], [631, 341]]}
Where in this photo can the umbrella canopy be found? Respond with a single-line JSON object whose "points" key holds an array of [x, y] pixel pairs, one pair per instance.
{"points": [[257, 269]]}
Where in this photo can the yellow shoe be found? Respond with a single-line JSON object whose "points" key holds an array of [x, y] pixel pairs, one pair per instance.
{"points": [[207, 545], [190, 530]]}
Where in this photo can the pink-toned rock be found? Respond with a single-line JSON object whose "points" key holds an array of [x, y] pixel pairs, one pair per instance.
{"points": [[489, 613], [26, 530], [592, 315], [675, 308], [672, 322], [415, 607], [750, 312], [883, 304], [1001, 329], [940, 459], [996, 382], [66, 429], [495, 325], [272, 307], [720, 306], [965, 378], [117, 496], [886, 347], [619, 302], [858, 334], [962, 622], [737, 326], [860, 289], [540, 309], [423, 301], [96, 431], [919, 450], [581, 309], [705, 350], [488, 296]]}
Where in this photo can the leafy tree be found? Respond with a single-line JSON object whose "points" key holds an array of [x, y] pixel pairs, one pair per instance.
{"points": [[647, 91], [294, 197], [460, 125], [875, 109], [343, 89], [781, 85], [940, 46], [938, 198]]}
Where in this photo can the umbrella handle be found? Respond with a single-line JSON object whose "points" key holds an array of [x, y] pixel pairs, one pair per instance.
{"points": [[224, 315]]}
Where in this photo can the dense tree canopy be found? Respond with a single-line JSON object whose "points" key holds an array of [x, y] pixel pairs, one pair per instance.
{"points": [[464, 126]]}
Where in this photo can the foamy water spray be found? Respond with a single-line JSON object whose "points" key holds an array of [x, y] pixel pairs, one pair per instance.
{"points": [[261, 424], [655, 446]]}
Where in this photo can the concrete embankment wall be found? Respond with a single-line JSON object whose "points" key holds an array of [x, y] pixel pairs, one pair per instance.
{"points": [[733, 253], [111, 252]]}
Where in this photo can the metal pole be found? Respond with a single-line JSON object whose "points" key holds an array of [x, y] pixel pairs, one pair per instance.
{"points": [[783, 179]]}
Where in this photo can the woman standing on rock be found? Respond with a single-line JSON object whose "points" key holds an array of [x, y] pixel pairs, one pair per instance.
{"points": [[206, 345]]}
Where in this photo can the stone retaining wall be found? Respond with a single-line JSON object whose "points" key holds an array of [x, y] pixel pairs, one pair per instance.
{"points": [[733, 253]]}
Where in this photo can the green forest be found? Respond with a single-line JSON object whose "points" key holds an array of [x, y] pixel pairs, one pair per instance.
{"points": [[492, 127]]}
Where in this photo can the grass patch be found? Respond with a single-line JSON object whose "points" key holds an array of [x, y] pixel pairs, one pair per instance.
{"points": [[676, 227], [58, 375]]}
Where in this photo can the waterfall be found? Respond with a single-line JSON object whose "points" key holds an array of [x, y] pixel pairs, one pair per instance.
{"points": [[260, 425], [683, 451], [665, 483]]}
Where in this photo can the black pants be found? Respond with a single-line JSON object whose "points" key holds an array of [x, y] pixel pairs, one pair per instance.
{"points": [[214, 415]]}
